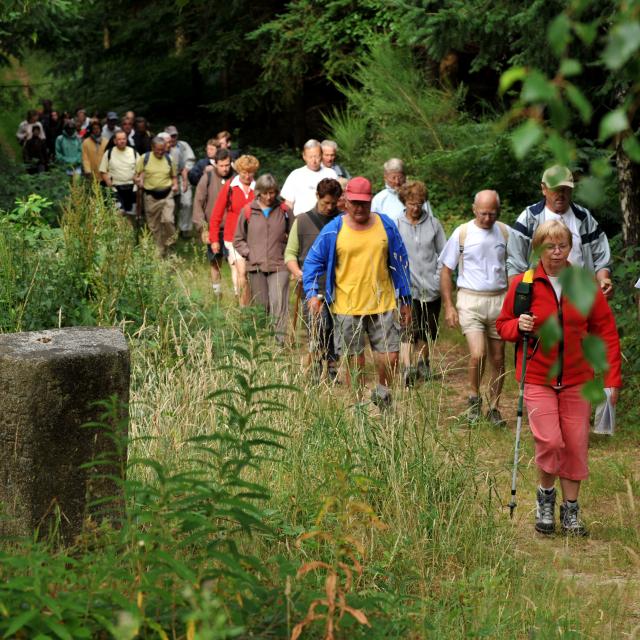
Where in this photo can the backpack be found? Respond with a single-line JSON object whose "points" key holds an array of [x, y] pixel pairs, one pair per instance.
{"points": [[147, 155], [462, 238], [135, 155]]}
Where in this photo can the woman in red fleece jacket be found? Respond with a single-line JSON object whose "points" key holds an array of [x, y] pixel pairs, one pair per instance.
{"points": [[558, 414], [235, 195]]}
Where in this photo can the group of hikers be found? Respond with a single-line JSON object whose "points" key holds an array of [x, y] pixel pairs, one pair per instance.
{"points": [[380, 266]]}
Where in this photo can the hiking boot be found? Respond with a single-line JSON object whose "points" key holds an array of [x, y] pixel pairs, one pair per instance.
{"points": [[495, 418], [545, 511], [409, 377], [381, 397], [570, 519], [332, 374], [424, 370], [474, 410]]}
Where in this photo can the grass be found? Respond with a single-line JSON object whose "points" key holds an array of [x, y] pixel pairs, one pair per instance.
{"points": [[399, 518], [447, 562]]}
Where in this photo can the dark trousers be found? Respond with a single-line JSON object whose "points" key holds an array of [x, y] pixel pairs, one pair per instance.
{"points": [[320, 333]]}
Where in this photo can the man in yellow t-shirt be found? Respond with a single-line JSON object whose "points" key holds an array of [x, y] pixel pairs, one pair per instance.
{"points": [[366, 263], [156, 174]]}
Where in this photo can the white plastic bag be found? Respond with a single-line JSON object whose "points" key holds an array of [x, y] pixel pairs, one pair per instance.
{"points": [[604, 421]]}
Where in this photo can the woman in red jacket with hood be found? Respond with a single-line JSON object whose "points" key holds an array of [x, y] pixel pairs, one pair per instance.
{"points": [[558, 414]]}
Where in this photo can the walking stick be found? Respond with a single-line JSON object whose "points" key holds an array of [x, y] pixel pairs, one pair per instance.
{"points": [[522, 304], [137, 224]]}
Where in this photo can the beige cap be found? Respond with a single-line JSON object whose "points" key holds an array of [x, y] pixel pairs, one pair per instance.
{"points": [[557, 176]]}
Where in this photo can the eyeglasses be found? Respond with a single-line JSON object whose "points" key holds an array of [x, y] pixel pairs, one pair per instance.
{"points": [[559, 247]]}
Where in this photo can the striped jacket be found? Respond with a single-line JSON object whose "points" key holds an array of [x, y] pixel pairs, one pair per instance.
{"points": [[595, 246]]}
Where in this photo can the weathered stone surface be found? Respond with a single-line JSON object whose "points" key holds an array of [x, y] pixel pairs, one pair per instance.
{"points": [[49, 382]]}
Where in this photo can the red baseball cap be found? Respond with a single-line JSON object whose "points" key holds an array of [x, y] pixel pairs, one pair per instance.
{"points": [[358, 189]]}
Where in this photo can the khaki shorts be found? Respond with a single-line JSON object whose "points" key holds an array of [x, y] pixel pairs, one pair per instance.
{"points": [[234, 257], [383, 330], [479, 310]]}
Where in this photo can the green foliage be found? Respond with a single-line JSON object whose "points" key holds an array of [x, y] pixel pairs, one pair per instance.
{"points": [[174, 559], [86, 272], [393, 110]]}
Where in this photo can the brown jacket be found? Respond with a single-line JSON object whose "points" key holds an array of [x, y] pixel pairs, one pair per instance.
{"points": [[261, 241], [209, 186]]}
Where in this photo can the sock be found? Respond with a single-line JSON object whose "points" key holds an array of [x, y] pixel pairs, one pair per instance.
{"points": [[547, 491], [571, 502], [217, 287]]}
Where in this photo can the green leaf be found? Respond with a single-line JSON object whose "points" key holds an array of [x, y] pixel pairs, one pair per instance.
{"points": [[593, 391], [591, 191], [562, 149], [623, 42], [19, 622], [614, 122], [580, 287], [631, 147], [586, 32], [537, 88], [559, 33], [511, 76], [550, 333], [595, 352], [527, 135], [580, 102], [570, 67]]}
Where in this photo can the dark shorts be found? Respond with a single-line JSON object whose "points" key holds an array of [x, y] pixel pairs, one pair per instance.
{"points": [[222, 254], [424, 321]]}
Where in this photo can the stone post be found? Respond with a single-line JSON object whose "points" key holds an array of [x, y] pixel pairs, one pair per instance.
{"points": [[49, 383]]}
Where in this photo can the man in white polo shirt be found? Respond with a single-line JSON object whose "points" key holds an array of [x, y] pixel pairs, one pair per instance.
{"points": [[299, 189], [478, 249]]}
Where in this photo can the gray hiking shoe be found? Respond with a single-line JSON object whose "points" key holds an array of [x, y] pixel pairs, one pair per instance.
{"points": [[332, 373], [424, 370], [495, 418], [570, 519], [381, 397], [475, 408], [545, 512], [409, 377]]}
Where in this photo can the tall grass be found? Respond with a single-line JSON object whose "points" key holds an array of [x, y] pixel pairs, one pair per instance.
{"points": [[252, 507]]}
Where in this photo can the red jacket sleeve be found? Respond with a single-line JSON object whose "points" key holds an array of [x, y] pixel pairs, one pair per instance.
{"points": [[603, 324], [215, 220], [507, 323]]}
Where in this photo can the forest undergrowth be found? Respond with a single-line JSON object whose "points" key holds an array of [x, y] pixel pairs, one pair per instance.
{"points": [[259, 505]]}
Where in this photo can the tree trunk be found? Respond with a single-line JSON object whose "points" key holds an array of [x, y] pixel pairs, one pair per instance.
{"points": [[629, 189]]}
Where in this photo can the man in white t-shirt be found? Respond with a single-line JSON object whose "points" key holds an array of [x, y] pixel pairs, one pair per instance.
{"points": [[478, 249], [299, 189], [590, 245]]}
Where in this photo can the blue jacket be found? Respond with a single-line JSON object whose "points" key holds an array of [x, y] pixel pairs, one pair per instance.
{"points": [[322, 257]]}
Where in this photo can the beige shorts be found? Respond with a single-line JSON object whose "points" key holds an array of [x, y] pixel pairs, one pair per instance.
{"points": [[234, 257], [479, 310]]}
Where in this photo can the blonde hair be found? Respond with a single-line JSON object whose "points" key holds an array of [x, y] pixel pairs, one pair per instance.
{"points": [[551, 229], [247, 163]]}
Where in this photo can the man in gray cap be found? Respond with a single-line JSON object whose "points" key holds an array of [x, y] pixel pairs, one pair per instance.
{"points": [[590, 245], [111, 126], [184, 158]]}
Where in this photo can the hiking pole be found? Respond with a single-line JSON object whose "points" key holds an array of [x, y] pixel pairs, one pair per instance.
{"points": [[522, 304]]}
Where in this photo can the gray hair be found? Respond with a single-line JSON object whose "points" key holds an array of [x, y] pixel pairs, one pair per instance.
{"points": [[266, 182], [311, 144], [159, 140], [392, 165], [329, 143], [495, 193]]}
